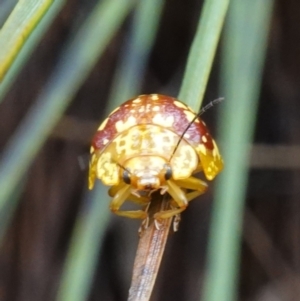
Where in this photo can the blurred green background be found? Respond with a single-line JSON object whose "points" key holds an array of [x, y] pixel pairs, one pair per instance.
{"points": [[59, 242]]}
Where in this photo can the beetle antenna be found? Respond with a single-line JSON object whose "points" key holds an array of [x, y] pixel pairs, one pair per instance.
{"points": [[203, 110], [123, 167], [208, 106]]}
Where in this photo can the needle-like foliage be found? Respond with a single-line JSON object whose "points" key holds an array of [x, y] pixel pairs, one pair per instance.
{"points": [[19, 25], [243, 53]]}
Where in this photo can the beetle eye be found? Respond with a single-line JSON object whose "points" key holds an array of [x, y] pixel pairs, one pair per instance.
{"points": [[168, 174], [126, 176]]}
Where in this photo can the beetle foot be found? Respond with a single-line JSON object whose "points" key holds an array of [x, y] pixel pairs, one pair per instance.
{"points": [[176, 221], [158, 224], [144, 225]]}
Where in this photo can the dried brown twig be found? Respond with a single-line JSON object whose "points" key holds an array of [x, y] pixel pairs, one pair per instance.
{"points": [[150, 251]]}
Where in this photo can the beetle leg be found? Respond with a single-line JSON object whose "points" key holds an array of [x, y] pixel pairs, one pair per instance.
{"points": [[142, 200], [192, 183], [113, 190], [119, 198], [168, 213], [198, 186], [180, 198]]}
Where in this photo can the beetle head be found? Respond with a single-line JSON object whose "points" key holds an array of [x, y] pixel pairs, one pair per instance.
{"points": [[146, 173]]}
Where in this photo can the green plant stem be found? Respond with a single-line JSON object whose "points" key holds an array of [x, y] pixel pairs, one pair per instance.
{"points": [[130, 72], [74, 67], [6, 8], [244, 49], [10, 209], [202, 52], [88, 233], [28, 48], [84, 248], [19, 25]]}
